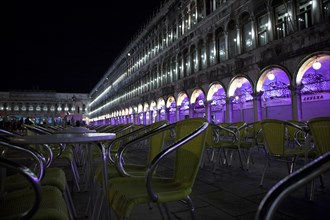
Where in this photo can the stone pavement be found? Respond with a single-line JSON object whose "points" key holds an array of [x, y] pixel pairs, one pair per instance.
{"points": [[231, 193]]}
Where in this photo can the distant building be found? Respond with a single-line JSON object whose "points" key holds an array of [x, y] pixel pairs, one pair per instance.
{"points": [[43, 106]]}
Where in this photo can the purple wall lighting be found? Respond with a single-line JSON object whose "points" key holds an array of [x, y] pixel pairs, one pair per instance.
{"points": [[316, 79], [315, 90], [243, 93], [276, 85], [218, 100]]}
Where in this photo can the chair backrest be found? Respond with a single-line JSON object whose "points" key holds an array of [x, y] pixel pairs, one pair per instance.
{"points": [[156, 141], [152, 137], [320, 130], [121, 140], [273, 131], [188, 156]]}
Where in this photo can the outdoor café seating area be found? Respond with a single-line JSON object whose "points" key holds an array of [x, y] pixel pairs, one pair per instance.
{"points": [[190, 169]]}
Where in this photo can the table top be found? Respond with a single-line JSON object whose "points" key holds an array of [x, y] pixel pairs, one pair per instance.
{"points": [[75, 130], [64, 138]]}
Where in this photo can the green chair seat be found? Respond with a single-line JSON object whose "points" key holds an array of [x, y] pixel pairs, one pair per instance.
{"points": [[52, 204], [128, 193], [53, 177]]}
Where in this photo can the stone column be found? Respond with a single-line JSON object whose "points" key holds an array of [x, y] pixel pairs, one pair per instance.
{"points": [[191, 110], [229, 109], [208, 112], [296, 102], [177, 112], [257, 105]]}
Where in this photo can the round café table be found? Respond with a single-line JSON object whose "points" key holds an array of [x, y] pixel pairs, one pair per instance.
{"points": [[90, 138]]}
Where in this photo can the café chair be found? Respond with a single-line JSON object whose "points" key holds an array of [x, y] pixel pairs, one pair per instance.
{"points": [[148, 138], [319, 128], [277, 147], [32, 202], [125, 193], [46, 176], [64, 155]]}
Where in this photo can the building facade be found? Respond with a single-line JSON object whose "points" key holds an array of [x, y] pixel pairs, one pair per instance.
{"points": [[43, 107], [225, 60]]}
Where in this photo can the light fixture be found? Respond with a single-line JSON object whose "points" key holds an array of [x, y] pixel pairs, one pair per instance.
{"points": [[317, 65], [271, 76]]}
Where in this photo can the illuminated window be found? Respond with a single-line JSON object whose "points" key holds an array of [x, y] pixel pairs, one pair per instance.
{"points": [[263, 30], [304, 15], [232, 40], [326, 9], [247, 37], [221, 46], [281, 19]]}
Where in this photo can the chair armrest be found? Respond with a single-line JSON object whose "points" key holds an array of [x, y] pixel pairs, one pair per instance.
{"points": [[35, 183], [36, 156], [291, 183]]}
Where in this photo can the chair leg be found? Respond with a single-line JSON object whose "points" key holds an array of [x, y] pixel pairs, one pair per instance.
{"points": [[160, 211], [191, 208], [75, 175], [69, 201], [240, 158], [166, 211], [264, 172], [249, 158]]}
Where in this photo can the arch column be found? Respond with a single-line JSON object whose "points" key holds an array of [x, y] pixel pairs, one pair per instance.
{"points": [[177, 113], [296, 102], [229, 109], [208, 112], [257, 105], [144, 118], [191, 110]]}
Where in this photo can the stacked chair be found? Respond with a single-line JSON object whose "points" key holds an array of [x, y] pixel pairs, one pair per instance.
{"points": [[64, 156], [49, 174], [30, 190]]}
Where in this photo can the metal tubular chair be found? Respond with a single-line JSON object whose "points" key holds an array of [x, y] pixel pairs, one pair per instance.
{"points": [[125, 193], [46, 176], [289, 184], [319, 129], [225, 138], [152, 141], [64, 155], [27, 174], [276, 144], [33, 200]]}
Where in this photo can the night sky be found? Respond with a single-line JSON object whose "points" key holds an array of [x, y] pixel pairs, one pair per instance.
{"points": [[67, 46]]}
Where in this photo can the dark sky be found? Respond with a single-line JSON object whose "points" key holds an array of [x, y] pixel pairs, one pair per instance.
{"points": [[67, 46]]}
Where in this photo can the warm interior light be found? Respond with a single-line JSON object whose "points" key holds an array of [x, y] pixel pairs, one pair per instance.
{"points": [[238, 85], [271, 76], [317, 65]]}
